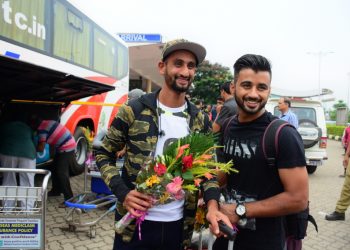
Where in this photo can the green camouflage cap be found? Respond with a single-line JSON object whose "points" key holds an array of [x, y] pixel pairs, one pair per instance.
{"points": [[182, 44]]}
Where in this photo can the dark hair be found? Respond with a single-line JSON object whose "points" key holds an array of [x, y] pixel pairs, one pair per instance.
{"points": [[287, 101], [226, 87], [251, 61], [198, 102]]}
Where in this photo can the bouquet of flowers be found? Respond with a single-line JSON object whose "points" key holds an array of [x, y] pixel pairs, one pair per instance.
{"points": [[182, 167]]}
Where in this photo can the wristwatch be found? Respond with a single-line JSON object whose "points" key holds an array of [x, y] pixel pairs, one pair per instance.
{"points": [[241, 210]]}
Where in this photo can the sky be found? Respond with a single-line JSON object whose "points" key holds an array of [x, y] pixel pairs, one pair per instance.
{"points": [[307, 41]]}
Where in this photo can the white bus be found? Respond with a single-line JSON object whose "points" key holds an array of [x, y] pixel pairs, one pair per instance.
{"points": [[56, 35]]}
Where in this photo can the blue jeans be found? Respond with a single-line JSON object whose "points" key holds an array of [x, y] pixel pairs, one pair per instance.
{"points": [[154, 236]]}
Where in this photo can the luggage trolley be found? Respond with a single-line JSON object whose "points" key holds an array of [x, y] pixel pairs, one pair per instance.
{"points": [[79, 206], [23, 227]]}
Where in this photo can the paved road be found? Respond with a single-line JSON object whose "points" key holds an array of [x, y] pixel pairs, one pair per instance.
{"points": [[325, 186]]}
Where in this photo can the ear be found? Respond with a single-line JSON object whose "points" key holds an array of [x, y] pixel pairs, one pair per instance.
{"points": [[161, 67], [232, 88]]}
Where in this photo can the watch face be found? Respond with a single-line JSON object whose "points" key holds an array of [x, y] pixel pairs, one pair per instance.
{"points": [[240, 210]]}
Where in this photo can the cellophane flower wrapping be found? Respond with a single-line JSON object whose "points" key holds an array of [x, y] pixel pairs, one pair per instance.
{"points": [[182, 168]]}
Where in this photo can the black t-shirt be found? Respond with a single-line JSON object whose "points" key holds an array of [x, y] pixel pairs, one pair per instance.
{"points": [[243, 144], [228, 109]]}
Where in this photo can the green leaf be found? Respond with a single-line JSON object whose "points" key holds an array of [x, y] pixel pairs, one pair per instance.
{"points": [[177, 172], [188, 176]]}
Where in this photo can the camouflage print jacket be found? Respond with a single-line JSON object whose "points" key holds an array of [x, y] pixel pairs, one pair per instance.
{"points": [[136, 127]]}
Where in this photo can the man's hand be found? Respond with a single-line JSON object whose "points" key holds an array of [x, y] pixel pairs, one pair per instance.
{"points": [[135, 200], [229, 211], [213, 216]]}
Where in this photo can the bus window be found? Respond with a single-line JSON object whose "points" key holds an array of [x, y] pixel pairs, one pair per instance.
{"points": [[23, 22], [71, 36], [123, 59], [105, 54]]}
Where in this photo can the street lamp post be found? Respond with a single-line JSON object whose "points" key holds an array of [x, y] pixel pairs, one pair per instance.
{"points": [[320, 54]]}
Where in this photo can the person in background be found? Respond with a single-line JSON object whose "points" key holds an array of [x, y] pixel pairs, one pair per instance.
{"points": [[58, 136], [199, 104], [284, 105], [228, 109], [344, 201], [135, 93], [345, 142], [216, 108], [166, 116], [17, 150], [208, 111]]}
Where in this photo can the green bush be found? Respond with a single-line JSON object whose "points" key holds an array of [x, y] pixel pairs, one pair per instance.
{"points": [[335, 130]]}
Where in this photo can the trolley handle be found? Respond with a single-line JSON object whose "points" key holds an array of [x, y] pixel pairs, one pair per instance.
{"points": [[45, 172], [79, 205]]}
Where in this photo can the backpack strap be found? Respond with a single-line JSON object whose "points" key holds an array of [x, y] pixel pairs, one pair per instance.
{"points": [[313, 221], [227, 121], [270, 140]]}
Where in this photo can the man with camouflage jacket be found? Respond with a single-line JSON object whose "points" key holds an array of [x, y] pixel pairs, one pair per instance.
{"points": [[145, 126]]}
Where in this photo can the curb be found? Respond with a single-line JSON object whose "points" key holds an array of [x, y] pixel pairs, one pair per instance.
{"points": [[334, 137]]}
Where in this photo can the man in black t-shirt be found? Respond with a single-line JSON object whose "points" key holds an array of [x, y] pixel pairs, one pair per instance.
{"points": [[278, 191], [228, 109]]}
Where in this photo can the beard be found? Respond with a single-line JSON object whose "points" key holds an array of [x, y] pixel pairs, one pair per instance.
{"points": [[252, 111], [171, 82]]}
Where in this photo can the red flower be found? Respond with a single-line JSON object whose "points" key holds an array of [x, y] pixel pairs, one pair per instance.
{"points": [[160, 169], [187, 162]]}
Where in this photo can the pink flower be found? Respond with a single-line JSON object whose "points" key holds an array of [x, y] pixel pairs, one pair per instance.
{"points": [[179, 195], [175, 186], [160, 169], [187, 162]]}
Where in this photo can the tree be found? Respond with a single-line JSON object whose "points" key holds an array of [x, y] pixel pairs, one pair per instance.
{"points": [[207, 81], [333, 113], [339, 104]]}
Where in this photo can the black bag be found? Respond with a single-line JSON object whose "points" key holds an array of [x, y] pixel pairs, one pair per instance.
{"points": [[296, 224]]}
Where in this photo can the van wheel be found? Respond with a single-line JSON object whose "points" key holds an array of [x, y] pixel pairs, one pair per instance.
{"points": [[80, 152], [305, 126], [311, 169]]}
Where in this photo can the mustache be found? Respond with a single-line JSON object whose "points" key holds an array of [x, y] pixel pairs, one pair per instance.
{"points": [[250, 99], [182, 77]]}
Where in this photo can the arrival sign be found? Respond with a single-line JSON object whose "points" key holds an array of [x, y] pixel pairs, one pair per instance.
{"points": [[140, 38]]}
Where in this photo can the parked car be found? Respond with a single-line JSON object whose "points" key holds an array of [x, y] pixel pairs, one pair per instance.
{"points": [[312, 128]]}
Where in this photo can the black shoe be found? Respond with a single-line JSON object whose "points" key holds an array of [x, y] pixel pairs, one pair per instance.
{"points": [[53, 193], [335, 216]]}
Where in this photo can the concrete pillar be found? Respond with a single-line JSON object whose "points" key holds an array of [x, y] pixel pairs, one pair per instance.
{"points": [[148, 86]]}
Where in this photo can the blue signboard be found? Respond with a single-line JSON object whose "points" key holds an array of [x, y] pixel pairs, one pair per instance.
{"points": [[140, 38]]}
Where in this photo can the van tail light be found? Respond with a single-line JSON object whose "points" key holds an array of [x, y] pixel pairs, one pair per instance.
{"points": [[323, 142]]}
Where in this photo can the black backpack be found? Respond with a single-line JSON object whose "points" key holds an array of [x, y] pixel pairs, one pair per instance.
{"points": [[295, 224]]}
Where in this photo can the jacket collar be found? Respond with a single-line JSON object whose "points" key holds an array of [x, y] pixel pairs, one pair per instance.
{"points": [[150, 100]]}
